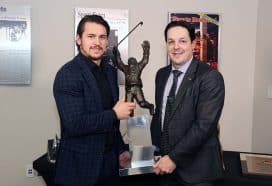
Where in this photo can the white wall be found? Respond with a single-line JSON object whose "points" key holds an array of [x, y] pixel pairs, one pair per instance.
{"points": [[28, 113], [262, 126]]}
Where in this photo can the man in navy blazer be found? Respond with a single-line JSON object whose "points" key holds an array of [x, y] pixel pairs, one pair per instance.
{"points": [[187, 135], [86, 94]]}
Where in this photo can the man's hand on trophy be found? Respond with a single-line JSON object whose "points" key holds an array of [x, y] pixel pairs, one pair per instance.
{"points": [[123, 109], [124, 159]]}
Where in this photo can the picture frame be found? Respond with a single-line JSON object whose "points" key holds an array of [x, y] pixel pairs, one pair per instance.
{"points": [[118, 21], [256, 164], [207, 30], [15, 44]]}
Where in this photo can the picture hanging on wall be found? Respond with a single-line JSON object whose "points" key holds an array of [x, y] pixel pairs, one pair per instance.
{"points": [[118, 21], [15, 44], [207, 35]]}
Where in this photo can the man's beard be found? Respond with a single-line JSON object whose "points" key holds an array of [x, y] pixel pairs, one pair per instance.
{"points": [[95, 58]]}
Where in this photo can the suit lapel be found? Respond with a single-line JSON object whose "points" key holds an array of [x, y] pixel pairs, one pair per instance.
{"points": [[185, 84], [89, 79]]}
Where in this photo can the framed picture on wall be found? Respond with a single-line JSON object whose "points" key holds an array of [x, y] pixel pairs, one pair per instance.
{"points": [[118, 21], [15, 44], [207, 35]]}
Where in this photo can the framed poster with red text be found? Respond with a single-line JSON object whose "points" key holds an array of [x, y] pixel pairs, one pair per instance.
{"points": [[207, 35]]}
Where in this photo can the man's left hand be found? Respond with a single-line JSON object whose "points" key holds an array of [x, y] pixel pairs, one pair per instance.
{"points": [[124, 159], [164, 166]]}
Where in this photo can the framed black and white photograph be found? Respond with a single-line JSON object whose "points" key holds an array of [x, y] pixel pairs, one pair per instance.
{"points": [[15, 44], [118, 21]]}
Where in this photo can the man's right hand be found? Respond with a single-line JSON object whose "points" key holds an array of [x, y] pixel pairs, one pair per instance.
{"points": [[123, 109]]}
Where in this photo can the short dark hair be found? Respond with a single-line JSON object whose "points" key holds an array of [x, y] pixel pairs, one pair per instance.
{"points": [[183, 24], [92, 19]]}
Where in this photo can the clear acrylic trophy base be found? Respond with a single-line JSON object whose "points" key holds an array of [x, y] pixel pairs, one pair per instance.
{"points": [[141, 163], [140, 145]]}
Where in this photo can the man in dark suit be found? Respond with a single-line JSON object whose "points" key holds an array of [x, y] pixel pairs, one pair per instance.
{"points": [[189, 99], [86, 94]]}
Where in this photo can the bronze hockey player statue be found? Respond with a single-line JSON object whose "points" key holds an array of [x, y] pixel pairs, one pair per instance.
{"points": [[132, 71]]}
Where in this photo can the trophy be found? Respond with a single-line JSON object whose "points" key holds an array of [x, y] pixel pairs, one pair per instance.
{"points": [[139, 137], [133, 82]]}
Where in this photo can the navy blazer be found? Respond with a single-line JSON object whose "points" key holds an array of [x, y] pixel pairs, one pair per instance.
{"points": [[84, 123], [193, 135]]}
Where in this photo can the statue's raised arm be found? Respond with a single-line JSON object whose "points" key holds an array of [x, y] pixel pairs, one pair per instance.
{"points": [[146, 53], [118, 61]]}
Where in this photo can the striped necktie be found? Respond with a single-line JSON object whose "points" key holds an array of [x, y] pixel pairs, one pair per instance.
{"points": [[168, 110]]}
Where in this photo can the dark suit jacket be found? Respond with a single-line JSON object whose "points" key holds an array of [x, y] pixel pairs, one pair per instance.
{"points": [[193, 135], [84, 123]]}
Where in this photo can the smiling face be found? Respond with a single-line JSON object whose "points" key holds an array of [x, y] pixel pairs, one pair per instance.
{"points": [[93, 42], [179, 45]]}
